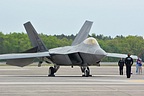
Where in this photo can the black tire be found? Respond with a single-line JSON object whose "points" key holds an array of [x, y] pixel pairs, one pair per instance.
{"points": [[86, 72], [51, 72]]}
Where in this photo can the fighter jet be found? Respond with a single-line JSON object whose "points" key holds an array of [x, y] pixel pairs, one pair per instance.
{"points": [[84, 52]]}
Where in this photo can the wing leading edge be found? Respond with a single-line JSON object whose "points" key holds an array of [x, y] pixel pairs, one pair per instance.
{"points": [[24, 55], [120, 55]]}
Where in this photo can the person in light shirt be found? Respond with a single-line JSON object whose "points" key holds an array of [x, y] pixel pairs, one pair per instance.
{"points": [[139, 66]]}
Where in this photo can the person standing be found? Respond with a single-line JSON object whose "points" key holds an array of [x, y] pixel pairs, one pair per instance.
{"points": [[138, 66], [121, 65], [128, 63]]}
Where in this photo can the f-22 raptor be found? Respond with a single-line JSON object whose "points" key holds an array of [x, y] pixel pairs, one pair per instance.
{"points": [[84, 52]]}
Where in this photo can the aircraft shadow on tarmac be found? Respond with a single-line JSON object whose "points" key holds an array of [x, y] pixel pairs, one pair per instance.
{"points": [[66, 76]]}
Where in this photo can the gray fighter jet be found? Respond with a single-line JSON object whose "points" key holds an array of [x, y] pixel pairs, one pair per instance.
{"points": [[84, 51]]}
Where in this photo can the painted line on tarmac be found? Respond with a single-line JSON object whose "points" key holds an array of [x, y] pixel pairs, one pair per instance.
{"points": [[140, 81], [66, 83], [12, 69]]}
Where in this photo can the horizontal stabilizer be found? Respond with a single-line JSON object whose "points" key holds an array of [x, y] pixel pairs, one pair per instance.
{"points": [[83, 33], [20, 62], [32, 50]]}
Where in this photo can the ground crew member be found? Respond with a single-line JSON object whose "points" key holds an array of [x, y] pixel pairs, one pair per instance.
{"points": [[121, 64], [128, 63]]}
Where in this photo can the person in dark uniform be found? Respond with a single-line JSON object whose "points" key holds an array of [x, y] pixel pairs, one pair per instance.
{"points": [[128, 63], [121, 65]]}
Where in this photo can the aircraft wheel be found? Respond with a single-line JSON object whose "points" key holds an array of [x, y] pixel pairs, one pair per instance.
{"points": [[86, 72], [51, 72]]}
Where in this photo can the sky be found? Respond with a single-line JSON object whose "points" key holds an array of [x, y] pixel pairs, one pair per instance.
{"points": [[110, 17]]}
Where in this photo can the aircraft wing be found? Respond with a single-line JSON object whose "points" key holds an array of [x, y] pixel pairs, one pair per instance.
{"points": [[24, 55], [120, 55]]}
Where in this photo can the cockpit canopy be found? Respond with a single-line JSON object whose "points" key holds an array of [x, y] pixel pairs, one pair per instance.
{"points": [[90, 41]]}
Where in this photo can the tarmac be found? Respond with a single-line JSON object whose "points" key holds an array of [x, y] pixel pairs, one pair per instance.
{"points": [[33, 81]]}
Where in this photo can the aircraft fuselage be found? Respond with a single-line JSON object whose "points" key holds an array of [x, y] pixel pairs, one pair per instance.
{"points": [[88, 52]]}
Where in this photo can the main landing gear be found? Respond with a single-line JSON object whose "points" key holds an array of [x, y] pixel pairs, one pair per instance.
{"points": [[53, 70], [86, 71]]}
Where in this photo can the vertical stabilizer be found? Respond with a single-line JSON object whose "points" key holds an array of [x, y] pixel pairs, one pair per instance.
{"points": [[34, 38], [83, 33]]}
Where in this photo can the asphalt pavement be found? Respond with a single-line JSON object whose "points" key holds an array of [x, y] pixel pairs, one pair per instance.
{"points": [[33, 81]]}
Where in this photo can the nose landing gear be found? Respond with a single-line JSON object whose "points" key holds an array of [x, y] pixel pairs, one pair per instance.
{"points": [[86, 71]]}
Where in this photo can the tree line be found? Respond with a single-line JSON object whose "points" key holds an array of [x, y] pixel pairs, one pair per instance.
{"points": [[19, 42]]}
